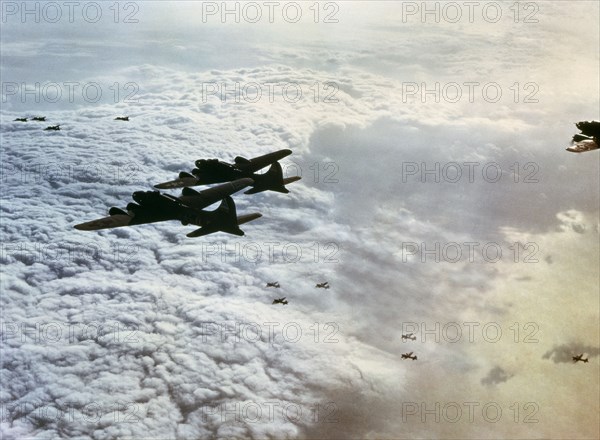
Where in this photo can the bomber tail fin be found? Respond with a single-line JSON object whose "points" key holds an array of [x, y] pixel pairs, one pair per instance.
{"points": [[272, 180], [224, 219]]}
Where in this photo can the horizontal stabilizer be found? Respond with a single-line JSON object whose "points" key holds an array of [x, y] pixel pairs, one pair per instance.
{"points": [[289, 180], [278, 188], [230, 229], [114, 221], [201, 232], [248, 218], [184, 175]]}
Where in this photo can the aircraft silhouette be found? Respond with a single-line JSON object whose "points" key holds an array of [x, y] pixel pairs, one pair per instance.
{"points": [[579, 358], [324, 285], [122, 118], [410, 336], [20, 120], [588, 139], [39, 118], [275, 284], [152, 206], [280, 301], [52, 127], [409, 356], [210, 171]]}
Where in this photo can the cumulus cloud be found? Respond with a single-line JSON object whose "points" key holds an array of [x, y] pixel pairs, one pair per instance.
{"points": [[495, 376]]}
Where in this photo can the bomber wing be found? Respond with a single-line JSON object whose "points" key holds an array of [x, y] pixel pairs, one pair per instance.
{"points": [[202, 199], [135, 215], [258, 163], [184, 180]]}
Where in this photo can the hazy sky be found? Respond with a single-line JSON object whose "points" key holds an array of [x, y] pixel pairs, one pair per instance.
{"points": [[436, 198]]}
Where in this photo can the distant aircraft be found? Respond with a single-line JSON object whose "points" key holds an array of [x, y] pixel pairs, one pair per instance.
{"points": [[275, 284], [52, 127], [39, 118], [410, 336], [579, 358], [152, 206], [280, 301], [324, 285], [210, 171], [20, 120], [588, 140], [409, 356], [122, 118]]}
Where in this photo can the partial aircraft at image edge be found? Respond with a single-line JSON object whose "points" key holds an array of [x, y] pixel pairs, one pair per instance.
{"points": [[588, 139]]}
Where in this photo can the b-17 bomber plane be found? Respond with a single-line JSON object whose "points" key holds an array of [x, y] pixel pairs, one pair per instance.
{"points": [[20, 120], [588, 139], [210, 171], [53, 127], [410, 336], [324, 285], [280, 301], [275, 284], [579, 358], [39, 118], [152, 207], [409, 356], [122, 118]]}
